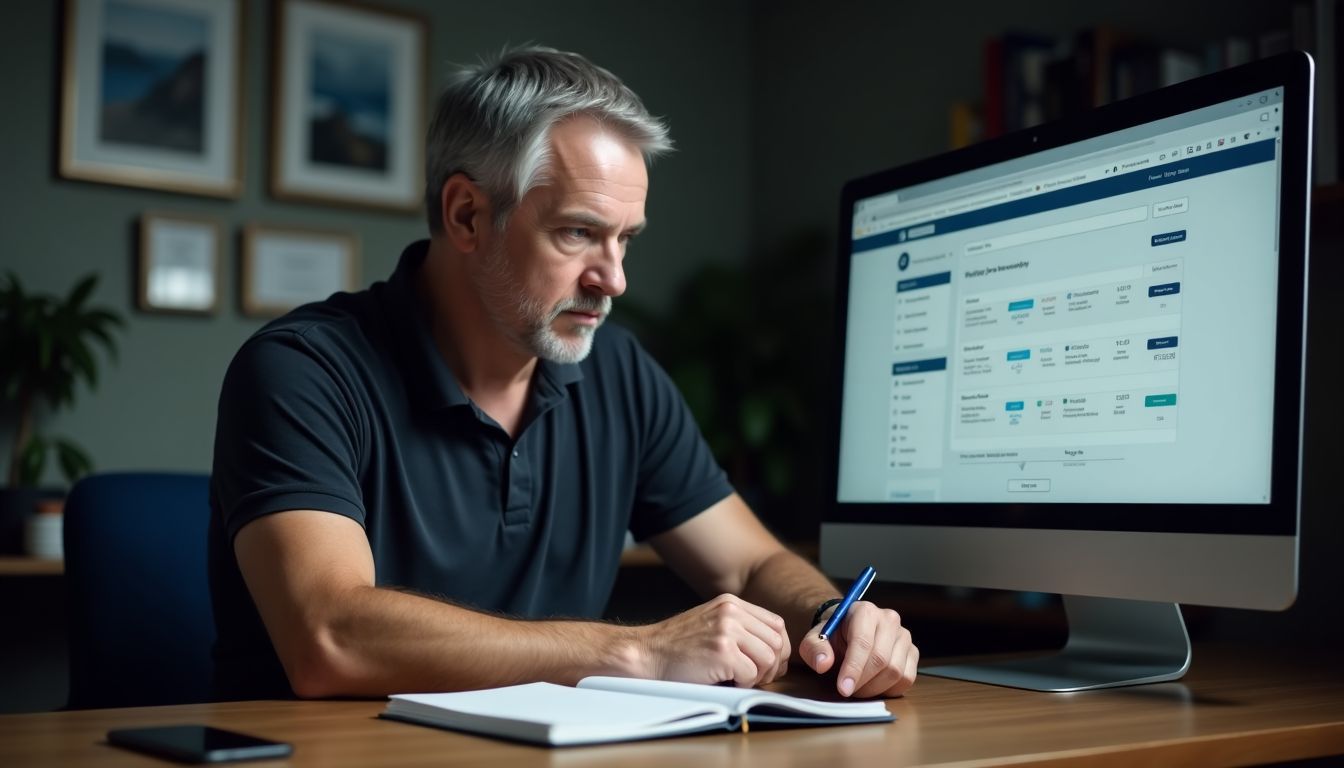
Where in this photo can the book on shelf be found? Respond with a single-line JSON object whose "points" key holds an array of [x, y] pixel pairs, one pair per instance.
{"points": [[607, 709]]}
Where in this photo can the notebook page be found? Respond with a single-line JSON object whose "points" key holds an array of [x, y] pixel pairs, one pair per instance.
{"points": [[737, 700], [553, 705]]}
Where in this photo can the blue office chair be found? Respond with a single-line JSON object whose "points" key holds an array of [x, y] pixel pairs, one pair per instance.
{"points": [[139, 599]]}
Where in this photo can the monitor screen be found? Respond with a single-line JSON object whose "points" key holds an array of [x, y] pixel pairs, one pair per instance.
{"points": [[1083, 327], [1062, 351]]}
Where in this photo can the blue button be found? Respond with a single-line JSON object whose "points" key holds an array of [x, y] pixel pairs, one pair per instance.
{"points": [[1165, 289], [1155, 401], [919, 366], [926, 281], [1013, 405], [1167, 238], [1162, 343], [1019, 354], [1014, 306]]}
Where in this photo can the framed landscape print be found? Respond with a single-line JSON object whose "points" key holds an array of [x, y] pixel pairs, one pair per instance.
{"points": [[151, 94], [179, 264], [284, 268], [348, 112]]}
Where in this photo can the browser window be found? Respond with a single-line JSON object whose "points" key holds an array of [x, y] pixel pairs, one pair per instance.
{"points": [[1102, 314]]}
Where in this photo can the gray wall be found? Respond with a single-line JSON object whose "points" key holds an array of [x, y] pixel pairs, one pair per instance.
{"points": [[688, 60]]}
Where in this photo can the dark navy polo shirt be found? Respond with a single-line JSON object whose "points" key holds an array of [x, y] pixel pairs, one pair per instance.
{"points": [[346, 406]]}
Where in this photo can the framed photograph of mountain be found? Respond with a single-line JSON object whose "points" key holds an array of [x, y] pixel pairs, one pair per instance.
{"points": [[151, 94], [348, 111]]}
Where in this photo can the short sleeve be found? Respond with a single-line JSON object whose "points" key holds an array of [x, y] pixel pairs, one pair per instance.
{"points": [[678, 477], [288, 434]]}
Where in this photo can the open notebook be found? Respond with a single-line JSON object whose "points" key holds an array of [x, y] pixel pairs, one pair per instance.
{"points": [[603, 709]]}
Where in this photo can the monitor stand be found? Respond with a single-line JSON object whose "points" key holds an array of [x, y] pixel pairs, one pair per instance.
{"points": [[1111, 643]]}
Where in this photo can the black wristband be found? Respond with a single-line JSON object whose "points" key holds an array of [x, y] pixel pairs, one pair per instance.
{"points": [[816, 617]]}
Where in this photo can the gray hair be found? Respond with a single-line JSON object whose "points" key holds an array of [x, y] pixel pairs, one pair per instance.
{"points": [[493, 123]]}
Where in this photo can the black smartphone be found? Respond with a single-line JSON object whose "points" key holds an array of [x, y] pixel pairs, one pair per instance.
{"points": [[198, 744]]}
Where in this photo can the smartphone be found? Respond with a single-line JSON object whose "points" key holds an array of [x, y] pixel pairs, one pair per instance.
{"points": [[197, 744]]}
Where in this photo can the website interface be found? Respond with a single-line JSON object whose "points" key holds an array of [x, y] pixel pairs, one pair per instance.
{"points": [[1098, 326]]}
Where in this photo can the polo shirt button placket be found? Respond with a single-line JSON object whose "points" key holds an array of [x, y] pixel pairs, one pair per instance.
{"points": [[517, 504]]}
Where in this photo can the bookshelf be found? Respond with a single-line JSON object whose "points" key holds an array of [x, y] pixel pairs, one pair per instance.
{"points": [[1030, 78]]}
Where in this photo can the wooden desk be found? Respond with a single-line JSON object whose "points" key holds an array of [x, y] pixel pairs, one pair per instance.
{"points": [[1233, 708], [11, 565]]}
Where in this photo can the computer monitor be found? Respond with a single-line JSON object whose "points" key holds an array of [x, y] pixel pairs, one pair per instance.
{"points": [[1071, 360]]}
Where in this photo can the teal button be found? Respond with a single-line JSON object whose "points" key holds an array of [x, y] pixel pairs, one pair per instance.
{"points": [[1153, 401]]}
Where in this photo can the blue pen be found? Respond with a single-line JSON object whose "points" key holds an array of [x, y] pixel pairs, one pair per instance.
{"points": [[855, 593]]}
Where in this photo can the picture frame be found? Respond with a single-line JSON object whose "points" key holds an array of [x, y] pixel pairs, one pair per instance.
{"points": [[152, 94], [179, 264], [348, 105], [287, 267]]}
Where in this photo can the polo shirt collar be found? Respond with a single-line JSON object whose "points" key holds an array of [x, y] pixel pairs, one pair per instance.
{"points": [[430, 381]]}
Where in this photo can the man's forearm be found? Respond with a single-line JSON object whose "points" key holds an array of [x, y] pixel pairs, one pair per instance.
{"points": [[380, 641], [791, 587]]}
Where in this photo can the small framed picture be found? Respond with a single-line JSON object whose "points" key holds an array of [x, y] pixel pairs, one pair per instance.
{"points": [[150, 94], [179, 264], [348, 112], [284, 268]]}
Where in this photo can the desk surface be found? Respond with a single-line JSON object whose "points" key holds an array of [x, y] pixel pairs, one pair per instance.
{"points": [[1232, 708], [14, 565]]}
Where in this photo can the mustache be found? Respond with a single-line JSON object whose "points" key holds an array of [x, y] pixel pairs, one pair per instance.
{"points": [[598, 304]]}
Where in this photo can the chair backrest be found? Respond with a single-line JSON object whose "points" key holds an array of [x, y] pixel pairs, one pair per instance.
{"points": [[141, 626]]}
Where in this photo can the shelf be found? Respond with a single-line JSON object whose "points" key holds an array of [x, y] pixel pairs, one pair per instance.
{"points": [[14, 565]]}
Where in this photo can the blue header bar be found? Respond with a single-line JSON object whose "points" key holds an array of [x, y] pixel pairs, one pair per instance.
{"points": [[1134, 181]]}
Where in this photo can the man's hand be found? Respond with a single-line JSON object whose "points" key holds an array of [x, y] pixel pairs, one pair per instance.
{"points": [[725, 639], [879, 657]]}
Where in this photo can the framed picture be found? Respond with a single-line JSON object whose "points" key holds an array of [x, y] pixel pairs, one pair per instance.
{"points": [[286, 267], [151, 94], [179, 264], [348, 111]]}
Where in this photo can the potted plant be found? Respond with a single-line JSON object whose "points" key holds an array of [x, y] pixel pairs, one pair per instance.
{"points": [[47, 346]]}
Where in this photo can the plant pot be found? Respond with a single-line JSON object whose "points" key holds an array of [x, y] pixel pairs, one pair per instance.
{"points": [[16, 506], [43, 536]]}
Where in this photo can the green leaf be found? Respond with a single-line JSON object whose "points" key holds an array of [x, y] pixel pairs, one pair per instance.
{"points": [[81, 292], [44, 344], [15, 288], [757, 418], [32, 461], [83, 360], [100, 333], [74, 461]]}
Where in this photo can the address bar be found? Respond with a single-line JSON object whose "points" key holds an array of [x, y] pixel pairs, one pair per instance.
{"points": [[1064, 229], [939, 211]]}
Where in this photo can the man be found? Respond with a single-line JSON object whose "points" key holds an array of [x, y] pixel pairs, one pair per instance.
{"points": [[426, 485]]}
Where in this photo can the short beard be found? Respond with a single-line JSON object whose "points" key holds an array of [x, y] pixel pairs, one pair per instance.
{"points": [[508, 306]]}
